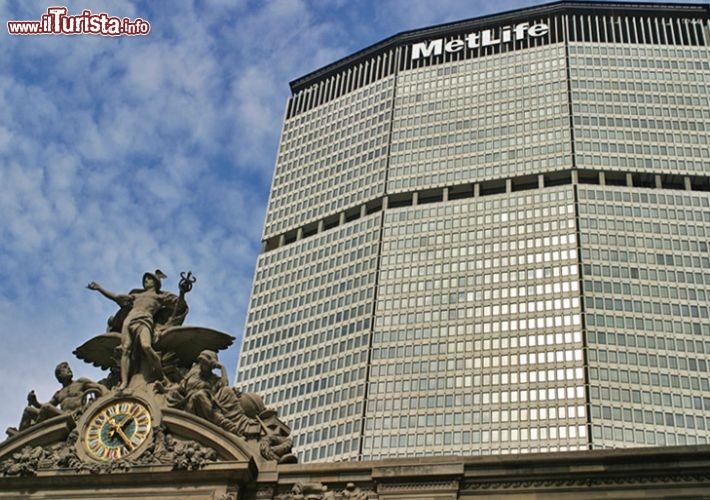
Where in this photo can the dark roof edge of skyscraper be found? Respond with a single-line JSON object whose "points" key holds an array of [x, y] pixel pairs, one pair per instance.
{"points": [[442, 30]]}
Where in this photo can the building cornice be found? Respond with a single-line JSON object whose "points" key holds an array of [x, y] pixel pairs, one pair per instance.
{"points": [[447, 29]]}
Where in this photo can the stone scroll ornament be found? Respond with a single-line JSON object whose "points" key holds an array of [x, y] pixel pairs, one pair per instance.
{"points": [[156, 368]]}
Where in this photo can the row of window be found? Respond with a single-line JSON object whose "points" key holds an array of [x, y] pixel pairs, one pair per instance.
{"points": [[502, 248], [331, 385], [649, 77], [301, 310], [271, 359], [646, 324], [425, 382], [656, 399], [357, 100], [471, 144], [477, 280], [343, 450], [648, 341], [627, 163], [666, 52], [327, 244], [650, 123], [338, 405], [461, 170], [574, 433], [609, 436], [655, 137], [633, 98], [459, 93], [342, 349], [458, 314], [687, 364], [479, 312], [563, 393], [446, 239], [626, 196], [257, 340], [643, 149], [646, 307], [458, 418]]}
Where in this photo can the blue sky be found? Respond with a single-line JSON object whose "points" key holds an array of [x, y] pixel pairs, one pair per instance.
{"points": [[120, 155]]}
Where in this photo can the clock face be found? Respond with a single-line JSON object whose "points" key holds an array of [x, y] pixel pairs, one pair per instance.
{"points": [[117, 430]]}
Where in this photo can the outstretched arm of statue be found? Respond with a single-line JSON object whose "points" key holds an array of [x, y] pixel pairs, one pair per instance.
{"points": [[119, 299]]}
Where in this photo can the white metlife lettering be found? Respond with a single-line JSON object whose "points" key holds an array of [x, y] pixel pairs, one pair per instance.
{"points": [[482, 38]]}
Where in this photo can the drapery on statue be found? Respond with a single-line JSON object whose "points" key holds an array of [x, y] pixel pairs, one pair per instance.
{"points": [[143, 315], [209, 396], [71, 398]]}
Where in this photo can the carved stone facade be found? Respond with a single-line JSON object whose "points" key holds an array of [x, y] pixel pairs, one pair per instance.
{"points": [[679, 472]]}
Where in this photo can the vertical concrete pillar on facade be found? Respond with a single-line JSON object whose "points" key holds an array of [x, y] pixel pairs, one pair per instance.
{"points": [[341, 221], [445, 194], [299, 233], [415, 198], [321, 226], [476, 190], [541, 181], [363, 210], [574, 177], [688, 184], [659, 182], [385, 202], [629, 180], [282, 240], [602, 179], [509, 185]]}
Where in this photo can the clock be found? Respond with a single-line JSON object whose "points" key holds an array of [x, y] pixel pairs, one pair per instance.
{"points": [[117, 430]]}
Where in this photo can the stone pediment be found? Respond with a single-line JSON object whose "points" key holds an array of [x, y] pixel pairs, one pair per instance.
{"points": [[177, 439]]}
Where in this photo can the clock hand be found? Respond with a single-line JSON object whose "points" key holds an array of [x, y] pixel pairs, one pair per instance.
{"points": [[112, 423], [125, 439], [125, 423], [118, 429]]}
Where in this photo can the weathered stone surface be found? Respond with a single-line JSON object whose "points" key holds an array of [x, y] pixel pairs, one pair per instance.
{"points": [[155, 364], [680, 472]]}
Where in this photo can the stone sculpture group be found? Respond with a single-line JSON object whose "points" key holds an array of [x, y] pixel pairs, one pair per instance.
{"points": [[149, 353]]}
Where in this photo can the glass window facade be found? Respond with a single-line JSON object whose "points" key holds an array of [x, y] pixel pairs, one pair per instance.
{"points": [[331, 157], [646, 281], [641, 108], [501, 249], [477, 344], [487, 118]]}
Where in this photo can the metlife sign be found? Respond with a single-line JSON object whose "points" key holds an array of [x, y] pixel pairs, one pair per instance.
{"points": [[483, 38]]}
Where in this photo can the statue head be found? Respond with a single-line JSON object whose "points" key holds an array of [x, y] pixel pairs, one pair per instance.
{"points": [[63, 372], [153, 280], [207, 359]]}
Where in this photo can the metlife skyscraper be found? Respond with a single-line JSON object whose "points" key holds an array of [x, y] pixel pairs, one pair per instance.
{"points": [[491, 237]]}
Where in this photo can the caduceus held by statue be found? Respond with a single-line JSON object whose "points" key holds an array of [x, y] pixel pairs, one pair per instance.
{"points": [[145, 313]]}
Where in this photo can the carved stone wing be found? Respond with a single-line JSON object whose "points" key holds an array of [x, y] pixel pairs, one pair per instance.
{"points": [[101, 350], [189, 341]]}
